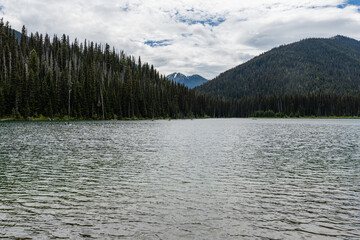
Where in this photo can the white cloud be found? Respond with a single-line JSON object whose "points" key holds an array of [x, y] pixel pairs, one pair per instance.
{"points": [[203, 37]]}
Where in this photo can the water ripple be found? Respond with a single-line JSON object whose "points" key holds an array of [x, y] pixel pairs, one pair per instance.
{"points": [[184, 179]]}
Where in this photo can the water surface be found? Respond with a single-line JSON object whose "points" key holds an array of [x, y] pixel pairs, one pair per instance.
{"points": [[182, 179]]}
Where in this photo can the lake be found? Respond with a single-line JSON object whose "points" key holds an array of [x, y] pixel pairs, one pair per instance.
{"points": [[181, 179]]}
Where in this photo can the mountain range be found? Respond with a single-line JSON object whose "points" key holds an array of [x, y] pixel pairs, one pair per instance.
{"points": [[189, 81], [315, 65], [43, 77]]}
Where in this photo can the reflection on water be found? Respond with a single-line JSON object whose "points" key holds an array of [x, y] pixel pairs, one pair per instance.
{"points": [[183, 179]]}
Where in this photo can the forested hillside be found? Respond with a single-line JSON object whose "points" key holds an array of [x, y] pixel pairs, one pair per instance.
{"points": [[43, 77], [309, 66], [56, 78]]}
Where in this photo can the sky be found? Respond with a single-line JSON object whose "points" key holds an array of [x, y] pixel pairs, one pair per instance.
{"points": [[205, 37]]}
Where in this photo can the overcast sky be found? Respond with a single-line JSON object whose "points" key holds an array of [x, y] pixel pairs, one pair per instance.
{"points": [[203, 37]]}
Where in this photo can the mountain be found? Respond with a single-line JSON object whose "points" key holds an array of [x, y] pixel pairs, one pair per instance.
{"points": [[190, 81], [327, 65], [43, 77], [18, 35], [177, 77]]}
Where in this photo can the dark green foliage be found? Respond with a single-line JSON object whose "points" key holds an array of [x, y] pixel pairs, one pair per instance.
{"points": [[313, 77], [56, 78], [319, 105], [309, 66]]}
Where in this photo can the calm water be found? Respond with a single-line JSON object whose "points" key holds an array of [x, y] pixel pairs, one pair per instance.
{"points": [[183, 179]]}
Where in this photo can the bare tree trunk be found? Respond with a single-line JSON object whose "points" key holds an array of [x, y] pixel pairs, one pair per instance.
{"points": [[17, 101], [4, 67], [69, 84], [101, 95]]}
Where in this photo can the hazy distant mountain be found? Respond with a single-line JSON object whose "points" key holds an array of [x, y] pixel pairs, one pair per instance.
{"points": [[309, 66], [190, 81], [18, 35], [177, 77]]}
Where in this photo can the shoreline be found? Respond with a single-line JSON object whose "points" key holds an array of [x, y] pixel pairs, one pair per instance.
{"points": [[168, 119]]}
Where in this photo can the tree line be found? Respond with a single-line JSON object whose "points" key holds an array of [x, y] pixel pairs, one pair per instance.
{"points": [[311, 65], [55, 78], [297, 105]]}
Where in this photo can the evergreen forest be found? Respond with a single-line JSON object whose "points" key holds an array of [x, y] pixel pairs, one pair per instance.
{"points": [[53, 78], [315, 65], [57, 79]]}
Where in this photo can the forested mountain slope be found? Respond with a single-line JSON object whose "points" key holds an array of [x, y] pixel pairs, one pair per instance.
{"points": [[309, 66], [53, 77]]}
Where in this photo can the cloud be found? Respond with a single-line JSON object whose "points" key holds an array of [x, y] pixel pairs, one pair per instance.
{"points": [[350, 3], [203, 37], [193, 16]]}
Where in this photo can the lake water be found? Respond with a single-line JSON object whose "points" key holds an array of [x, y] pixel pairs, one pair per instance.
{"points": [[181, 179]]}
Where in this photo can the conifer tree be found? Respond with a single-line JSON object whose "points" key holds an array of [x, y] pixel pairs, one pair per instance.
{"points": [[55, 78]]}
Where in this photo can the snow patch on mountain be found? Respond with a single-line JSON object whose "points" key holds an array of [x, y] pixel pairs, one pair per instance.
{"points": [[189, 81]]}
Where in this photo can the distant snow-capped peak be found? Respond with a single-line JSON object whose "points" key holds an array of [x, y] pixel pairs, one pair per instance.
{"points": [[189, 81]]}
